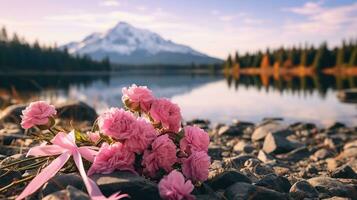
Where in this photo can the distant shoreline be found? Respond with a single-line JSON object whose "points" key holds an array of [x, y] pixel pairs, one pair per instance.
{"points": [[95, 73]]}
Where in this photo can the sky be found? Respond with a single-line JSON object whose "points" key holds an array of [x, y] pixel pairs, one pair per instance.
{"points": [[214, 27]]}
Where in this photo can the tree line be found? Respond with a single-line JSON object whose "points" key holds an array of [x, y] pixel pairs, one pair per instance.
{"points": [[319, 58], [16, 54]]}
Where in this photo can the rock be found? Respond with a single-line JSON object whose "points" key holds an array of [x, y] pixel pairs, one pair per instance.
{"points": [[274, 182], [349, 153], [263, 130], [238, 161], [352, 144], [70, 193], [332, 187], [335, 126], [322, 154], [202, 123], [227, 179], [254, 166], [12, 113], [241, 190], [243, 146], [337, 198], [344, 171], [230, 130], [137, 187], [302, 126], [264, 157], [296, 154], [7, 136], [281, 170], [303, 189], [333, 142], [61, 182], [207, 197], [277, 144], [6, 177], [332, 164], [76, 111], [12, 150], [215, 152]]}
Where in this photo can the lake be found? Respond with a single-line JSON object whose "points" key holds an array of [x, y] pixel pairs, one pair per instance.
{"points": [[207, 96]]}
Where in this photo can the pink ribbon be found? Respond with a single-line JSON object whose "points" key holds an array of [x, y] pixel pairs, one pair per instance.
{"points": [[65, 146]]}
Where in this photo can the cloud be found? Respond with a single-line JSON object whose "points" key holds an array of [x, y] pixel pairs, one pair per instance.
{"points": [[142, 8], [215, 12], [323, 20], [109, 3], [226, 18]]}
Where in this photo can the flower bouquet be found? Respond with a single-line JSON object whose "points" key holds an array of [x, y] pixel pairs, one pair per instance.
{"points": [[145, 138]]}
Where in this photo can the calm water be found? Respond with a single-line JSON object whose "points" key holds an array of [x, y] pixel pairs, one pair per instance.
{"points": [[212, 97]]}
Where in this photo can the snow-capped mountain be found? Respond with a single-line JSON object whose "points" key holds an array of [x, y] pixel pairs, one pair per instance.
{"points": [[126, 44]]}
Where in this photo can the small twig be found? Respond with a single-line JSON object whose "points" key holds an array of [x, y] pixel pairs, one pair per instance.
{"points": [[32, 166], [17, 182], [21, 161]]}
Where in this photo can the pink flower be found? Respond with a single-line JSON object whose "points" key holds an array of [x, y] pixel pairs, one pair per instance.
{"points": [[174, 187], [143, 135], [112, 157], [167, 113], [195, 139], [162, 155], [93, 136], [37, 113], [139, 97], [116, 123], [196, 166]]}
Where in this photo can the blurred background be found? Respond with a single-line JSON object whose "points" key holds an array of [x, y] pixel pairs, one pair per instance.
{"points": [[218, 59]]}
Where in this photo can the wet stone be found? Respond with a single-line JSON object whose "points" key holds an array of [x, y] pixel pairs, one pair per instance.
{"points": [[322, 154], [137, 187], [344, 171], [277, 144], [227, 179], [274, 182], [330, 187], [70, 193], [61, 182], [303, 189], [262, 131], [241, 190]]}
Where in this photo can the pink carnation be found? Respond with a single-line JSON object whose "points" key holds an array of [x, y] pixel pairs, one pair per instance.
{"points": [[167, 113], [37, 113], [174, 187], [162, 155], [112, 157], [116, 123], [143, 133], [93, 136], [196, 166], [195, 139], [139, 97]]}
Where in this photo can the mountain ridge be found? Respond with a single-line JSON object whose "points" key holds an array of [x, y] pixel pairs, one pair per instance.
{"points": [[126, 44]]}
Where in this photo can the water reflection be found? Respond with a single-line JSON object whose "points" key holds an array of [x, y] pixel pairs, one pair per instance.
{"points": [[305, 85], [210, 96]]}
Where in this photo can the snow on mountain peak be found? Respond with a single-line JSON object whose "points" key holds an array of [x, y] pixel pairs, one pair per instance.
{"points": [[125, 39]]}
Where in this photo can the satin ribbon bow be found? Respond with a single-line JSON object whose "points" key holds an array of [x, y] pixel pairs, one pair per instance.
{"points": [[64, 145]]}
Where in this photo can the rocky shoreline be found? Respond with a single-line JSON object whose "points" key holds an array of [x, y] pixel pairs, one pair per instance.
{"points": [[268, 160]]}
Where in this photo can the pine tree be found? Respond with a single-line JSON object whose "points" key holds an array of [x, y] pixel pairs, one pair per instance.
{"points": [[340, 57], [3, 34], [321, 59], [353, 58], [303, 58], [236, 58]]}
